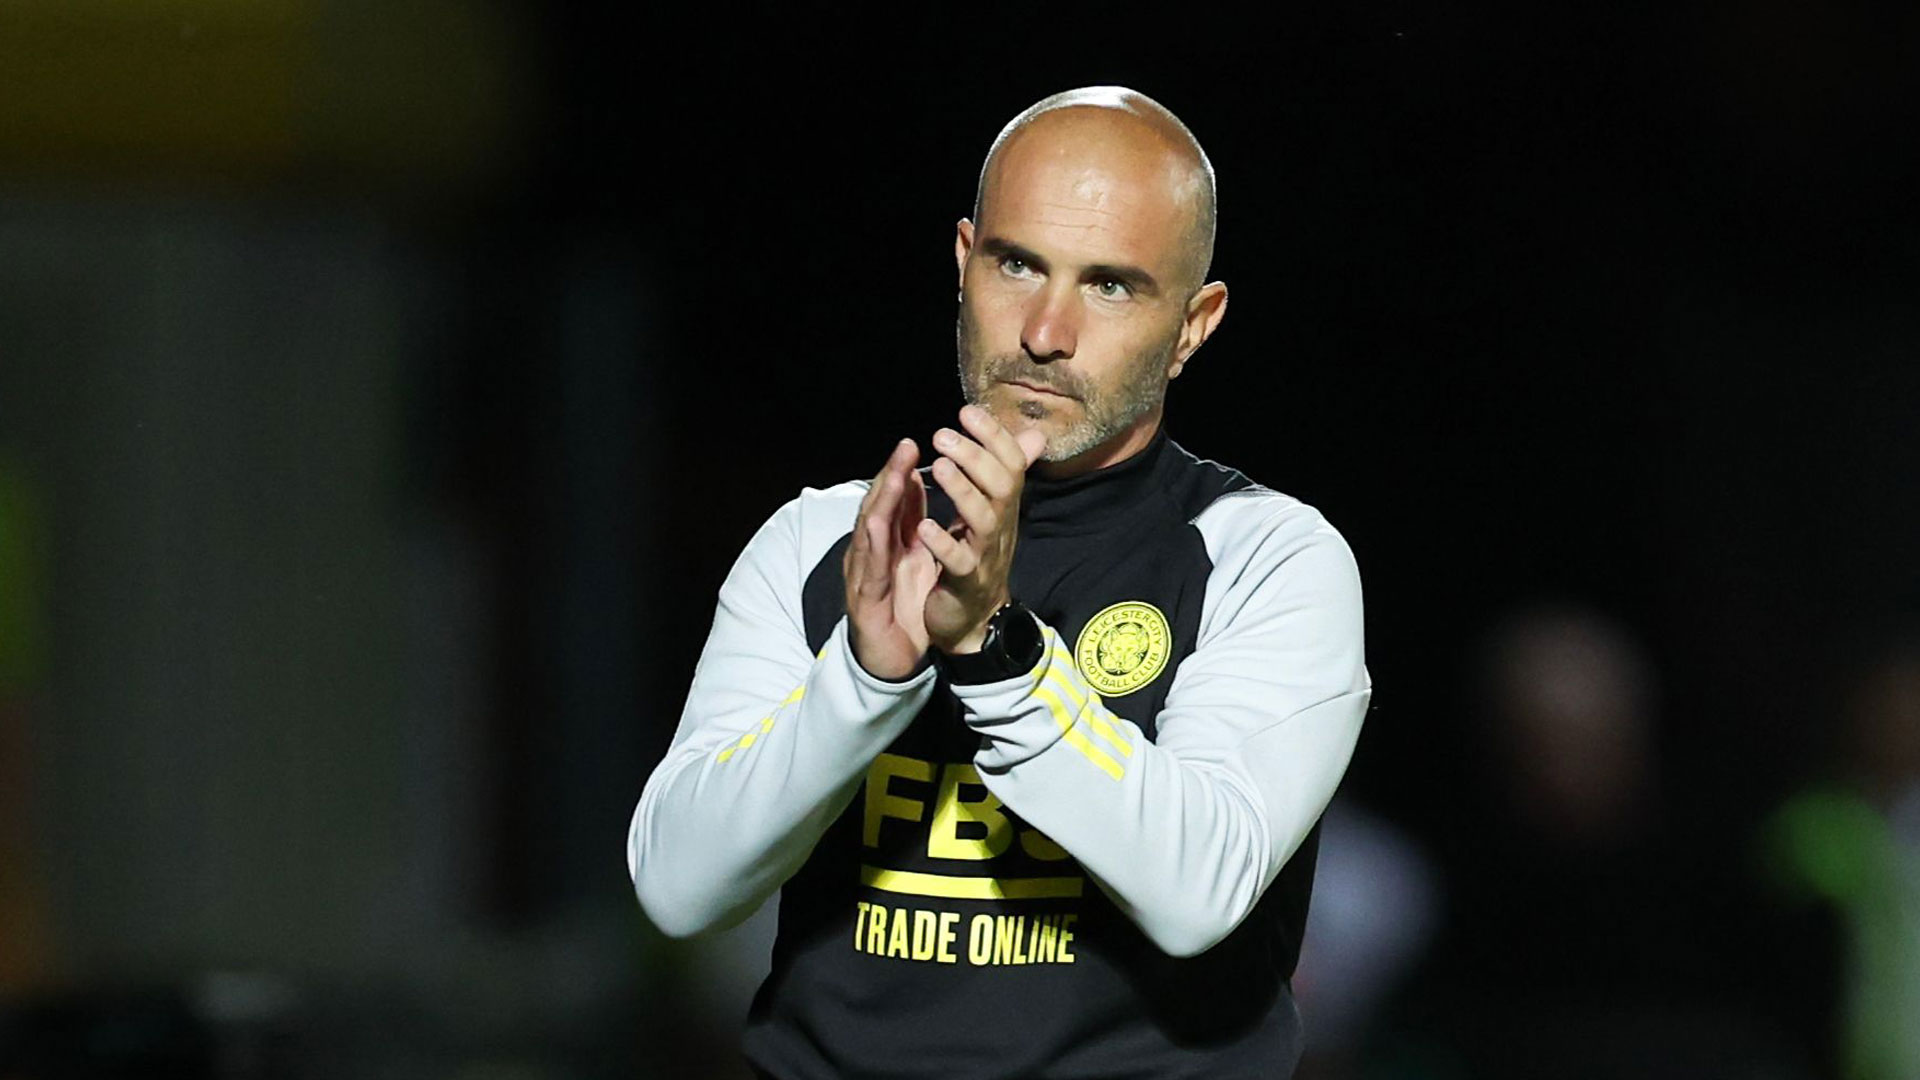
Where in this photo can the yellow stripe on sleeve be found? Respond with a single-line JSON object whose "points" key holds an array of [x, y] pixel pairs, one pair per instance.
{"points": [[1061, 656], [766, 725], [1107, 732], [1059, 679], [1094, 718], [1074, 737]]}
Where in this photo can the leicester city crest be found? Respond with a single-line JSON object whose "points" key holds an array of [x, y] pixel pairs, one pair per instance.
{"points": [[1123, 647]]}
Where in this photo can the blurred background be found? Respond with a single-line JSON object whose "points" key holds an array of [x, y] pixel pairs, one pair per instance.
{"points": [[386, 388]]}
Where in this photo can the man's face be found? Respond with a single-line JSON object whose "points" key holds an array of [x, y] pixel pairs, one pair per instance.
{"points": [[1079, 408], [1073, 294]]}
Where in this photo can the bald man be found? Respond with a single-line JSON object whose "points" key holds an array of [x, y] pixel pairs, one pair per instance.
{"points": [[1033, 742]]}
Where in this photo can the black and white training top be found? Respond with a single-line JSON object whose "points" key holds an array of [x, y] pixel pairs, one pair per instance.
{"points": [[1099, 868]]}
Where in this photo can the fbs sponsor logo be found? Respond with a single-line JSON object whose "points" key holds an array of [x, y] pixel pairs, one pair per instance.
{"points": [[1124, 647], [968, 820]]}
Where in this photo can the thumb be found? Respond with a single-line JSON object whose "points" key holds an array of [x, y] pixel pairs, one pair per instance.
{"points": [[1033, 442]]}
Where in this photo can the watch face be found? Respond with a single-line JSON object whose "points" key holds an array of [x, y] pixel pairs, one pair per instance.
{"points": [[1013, 646], [1019, 635]]}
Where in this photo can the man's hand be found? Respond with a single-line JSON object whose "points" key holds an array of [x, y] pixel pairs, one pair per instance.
{"points": [[889, 572], [984, 476]]}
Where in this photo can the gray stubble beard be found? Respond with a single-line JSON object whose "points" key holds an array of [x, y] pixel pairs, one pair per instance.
{"points": [[1102, 416]]}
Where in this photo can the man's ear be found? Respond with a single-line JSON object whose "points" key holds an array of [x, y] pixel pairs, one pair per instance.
{"points": [[1202, 317], [962, 246]]}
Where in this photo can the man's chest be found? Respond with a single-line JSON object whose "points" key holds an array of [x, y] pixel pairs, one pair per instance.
{"points": [[924, 844]]}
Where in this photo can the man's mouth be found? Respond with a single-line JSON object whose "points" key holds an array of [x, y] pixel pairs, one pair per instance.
{"points": [[1037, 388]]}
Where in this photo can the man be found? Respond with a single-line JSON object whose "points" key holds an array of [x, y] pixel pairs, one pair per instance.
{"points": [[1036, 753]]}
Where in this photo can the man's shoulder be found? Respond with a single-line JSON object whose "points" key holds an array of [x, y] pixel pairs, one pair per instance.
{"points": [[1235, 513], [805, 528], [1270, 551], [818, 506], [834, 499]]}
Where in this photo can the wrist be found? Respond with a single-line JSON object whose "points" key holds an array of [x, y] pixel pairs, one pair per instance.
{"points": [[882, 664], [971, 641], [970, 644], [1010, 644], [901, 678]]}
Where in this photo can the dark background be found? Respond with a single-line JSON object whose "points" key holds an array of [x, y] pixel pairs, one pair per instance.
{"points": [[384, 393]]}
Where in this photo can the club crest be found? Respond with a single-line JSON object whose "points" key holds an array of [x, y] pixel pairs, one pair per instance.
{"points": [[1124, 647]]}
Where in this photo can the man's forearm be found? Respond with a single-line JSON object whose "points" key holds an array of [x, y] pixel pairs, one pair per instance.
{"points": [[740, 801], [1184, 834]]}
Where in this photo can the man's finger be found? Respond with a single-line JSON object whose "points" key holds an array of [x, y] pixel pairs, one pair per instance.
{"points": [[999, 442], [916, 573], [877, 524], [893, 458], [987, 472], [1032, 443], [857, 549], [904, 457], [976, 510], [904, 454], [954, 557], [873, 486], [913, 507]]}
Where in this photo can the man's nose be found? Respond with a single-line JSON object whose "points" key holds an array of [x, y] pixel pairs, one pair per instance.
{"points": [[1052, 329]]}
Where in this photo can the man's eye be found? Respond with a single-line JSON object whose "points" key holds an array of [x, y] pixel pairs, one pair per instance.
{"points": [[1112, 290], [1015, 265]]}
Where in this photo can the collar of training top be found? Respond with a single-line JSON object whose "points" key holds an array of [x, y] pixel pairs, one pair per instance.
{"points": [[1099, 499]]}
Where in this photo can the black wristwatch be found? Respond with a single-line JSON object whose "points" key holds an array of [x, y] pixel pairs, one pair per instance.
{"points": [[1012, 647]]}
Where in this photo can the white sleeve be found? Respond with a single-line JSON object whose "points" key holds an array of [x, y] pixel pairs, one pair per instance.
{"points": [[773, 740], [1186, 833]]}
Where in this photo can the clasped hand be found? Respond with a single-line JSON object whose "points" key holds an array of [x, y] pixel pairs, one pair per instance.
{"points": [[912, 583]]}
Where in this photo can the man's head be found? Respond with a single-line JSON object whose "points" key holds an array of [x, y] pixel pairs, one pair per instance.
{"points": [[1082, 270]]}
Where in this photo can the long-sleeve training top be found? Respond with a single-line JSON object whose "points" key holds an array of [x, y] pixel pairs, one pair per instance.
{"points": [[1097, 868]]}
